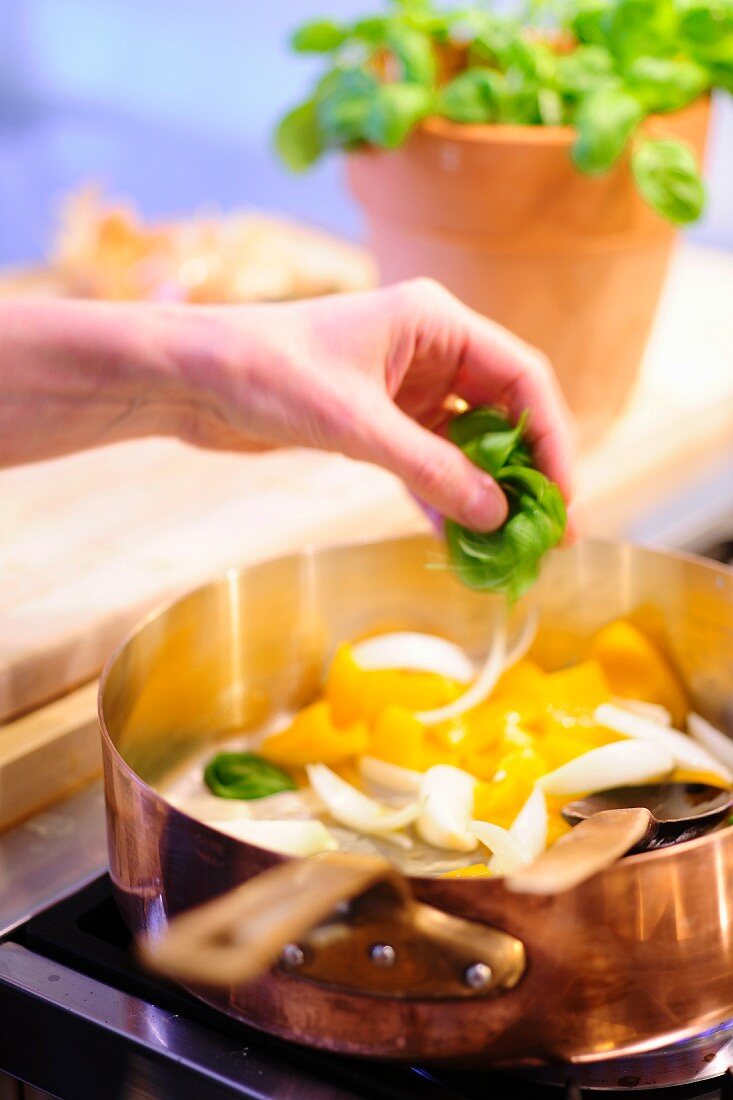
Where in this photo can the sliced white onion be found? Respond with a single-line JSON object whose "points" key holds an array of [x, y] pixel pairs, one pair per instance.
{"points": [[509, 853], [497, 661], [446, 806], [391, 777], [415, 652], [530, 825], [686, 752], [292, 836], [620, 764], [653, 711], [711, 738], [355, 810]]}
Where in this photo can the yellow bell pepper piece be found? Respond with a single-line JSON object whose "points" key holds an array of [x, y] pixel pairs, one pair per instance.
{"points": [[357, 693], [501, 799], [577, 690], [523, 682], [637, 669], [487, 725], [312, 737], [474, 870], [688, 775], [399, 739]]}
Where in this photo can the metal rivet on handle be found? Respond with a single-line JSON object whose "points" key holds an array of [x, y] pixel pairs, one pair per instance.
{"points": [[477, 975], [383, 954], [293, 955]]}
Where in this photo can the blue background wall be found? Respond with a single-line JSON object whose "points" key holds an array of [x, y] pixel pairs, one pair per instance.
{"points": [[172, 103]]}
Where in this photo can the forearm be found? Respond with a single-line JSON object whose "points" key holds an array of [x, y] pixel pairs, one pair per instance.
{"points": [[83, 374]]}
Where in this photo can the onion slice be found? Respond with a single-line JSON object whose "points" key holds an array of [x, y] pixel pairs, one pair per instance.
{"points": [[497, 660], [530, 825], [509, 853], [293, 836], [653, 711], [717, 743], [620, 764], [416, 653], [686, 752], [357, 811], [446, 806], [391, 777]]}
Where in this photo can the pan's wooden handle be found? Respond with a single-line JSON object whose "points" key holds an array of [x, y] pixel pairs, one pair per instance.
{"points": [[238, 935], [593, 845], [382, 942]]}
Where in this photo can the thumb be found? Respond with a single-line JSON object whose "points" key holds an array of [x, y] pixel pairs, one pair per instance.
{"points": [[436, 471]]}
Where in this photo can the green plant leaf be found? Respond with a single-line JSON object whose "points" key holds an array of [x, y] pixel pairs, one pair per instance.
{"points": [[605, 121], [705, 22], [505, 561], [393, 111], [245, 775], [666, 84], [584, 70], [319, 36], [472, 96], [298, 139], [414, 52], [667, 175], [342, 104]]}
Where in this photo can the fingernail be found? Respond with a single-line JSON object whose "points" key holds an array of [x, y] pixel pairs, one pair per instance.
{"points": [[486, 508]]}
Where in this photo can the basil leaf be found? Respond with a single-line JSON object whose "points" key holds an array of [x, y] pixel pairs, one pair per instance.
{"points": [[472, 96], [393, 111], [245, 775], [414, 52], [320, 36], [343, 102], [298, 139], [605, 121], [584, 70], [667, 175], [666, 84], [705, 22], [505, 561]]}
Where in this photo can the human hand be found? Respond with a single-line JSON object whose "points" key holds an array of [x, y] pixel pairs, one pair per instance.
{"points": [[372, 375]]}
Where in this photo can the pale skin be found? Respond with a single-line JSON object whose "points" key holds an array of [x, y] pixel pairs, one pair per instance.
{"points": [[364, 374]]}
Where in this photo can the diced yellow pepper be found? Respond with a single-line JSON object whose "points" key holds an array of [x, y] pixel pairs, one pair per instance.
{"points": [[486, 726], [357, 693], [501, 799], [312, 737], [474, 870], [523, 683], [577, 690], [688, 775], [637, 669], [399, 739]]}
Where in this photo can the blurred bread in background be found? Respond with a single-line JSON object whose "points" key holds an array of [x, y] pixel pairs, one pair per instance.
{"points": [[104, 249]]}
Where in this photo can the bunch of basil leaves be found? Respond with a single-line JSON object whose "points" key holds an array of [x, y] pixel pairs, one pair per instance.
{"points": [[601, 66], [505, 561]]}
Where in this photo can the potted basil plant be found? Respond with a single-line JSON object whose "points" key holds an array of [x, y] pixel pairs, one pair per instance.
{"points": [[538, 166]]}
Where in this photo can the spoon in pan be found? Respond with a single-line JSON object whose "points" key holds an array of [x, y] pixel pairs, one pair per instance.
{"points": [[613, 823]]}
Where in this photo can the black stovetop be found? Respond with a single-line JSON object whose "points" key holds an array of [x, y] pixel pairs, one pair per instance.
{"points": [[83, 1021]]}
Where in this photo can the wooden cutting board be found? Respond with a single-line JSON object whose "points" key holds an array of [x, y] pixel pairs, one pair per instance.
{"points": [[89, 542]]}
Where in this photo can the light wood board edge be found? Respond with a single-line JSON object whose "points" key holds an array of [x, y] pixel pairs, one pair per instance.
{"points": [[48, 753]]}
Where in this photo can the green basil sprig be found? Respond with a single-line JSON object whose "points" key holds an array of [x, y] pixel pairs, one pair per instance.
{"points": [[619, 62], [505, 561], [245, 775]]}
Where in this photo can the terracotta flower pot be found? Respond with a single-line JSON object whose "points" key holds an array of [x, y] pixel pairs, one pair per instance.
{"points": [[499, 214]]}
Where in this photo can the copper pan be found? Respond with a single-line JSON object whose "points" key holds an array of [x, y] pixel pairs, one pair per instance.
{"points": [[638, 957]]}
